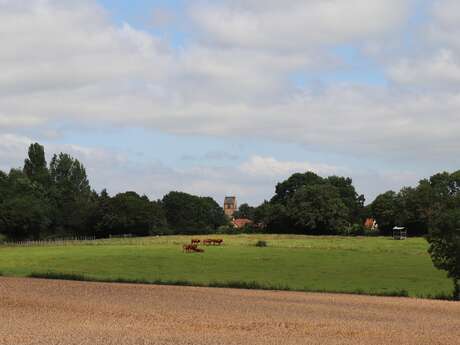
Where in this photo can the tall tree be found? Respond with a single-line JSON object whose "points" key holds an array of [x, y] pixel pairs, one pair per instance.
{"points": [[71, 194], [35, 166]]}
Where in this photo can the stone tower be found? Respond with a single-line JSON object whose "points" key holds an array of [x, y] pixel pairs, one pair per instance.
{"points": [[230, 206]]}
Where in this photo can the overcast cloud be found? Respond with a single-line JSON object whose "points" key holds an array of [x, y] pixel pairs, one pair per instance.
{"points": [[248, 69]]}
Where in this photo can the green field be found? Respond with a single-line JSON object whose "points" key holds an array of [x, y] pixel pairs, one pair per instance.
{"points": [[335, 264]]}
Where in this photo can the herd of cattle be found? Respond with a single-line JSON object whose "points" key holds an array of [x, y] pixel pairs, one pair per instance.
{"points": [[193, 246]]}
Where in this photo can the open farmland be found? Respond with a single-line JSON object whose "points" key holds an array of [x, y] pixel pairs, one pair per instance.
{"points": [[329, 264], [44, 312]]}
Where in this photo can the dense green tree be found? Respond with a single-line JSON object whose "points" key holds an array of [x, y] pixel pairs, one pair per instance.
{"points": [[129, 213], [272, 217], [69, 175], [349, 196], [318, 209], [35, 166], [245, 211], [211, 213], [308, 203], [24, 208], [186, 213], [4, 186], [444, 248], [284, 190], [412, 210], [71, 195], [385, 209]]}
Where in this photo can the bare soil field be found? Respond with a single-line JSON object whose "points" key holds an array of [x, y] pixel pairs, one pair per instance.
{"points": [[34, 311]]}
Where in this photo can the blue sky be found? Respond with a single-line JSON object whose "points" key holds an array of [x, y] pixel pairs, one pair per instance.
{"points": [[232, 96]]}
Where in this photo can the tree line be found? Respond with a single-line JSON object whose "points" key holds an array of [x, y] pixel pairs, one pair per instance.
{"points": [[417, 208], [55, 200], [43, 200]]}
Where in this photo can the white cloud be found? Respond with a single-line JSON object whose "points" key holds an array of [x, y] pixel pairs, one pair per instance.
{"points": [[297, 24], [66, 62], [441, 70], [445, 25], [271, 167], [11, 149]]}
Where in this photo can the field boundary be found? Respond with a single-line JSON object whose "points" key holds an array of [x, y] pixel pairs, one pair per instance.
{"points": [[246, 285]]}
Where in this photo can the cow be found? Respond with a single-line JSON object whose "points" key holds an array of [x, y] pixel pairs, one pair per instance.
{"points": [[189, 248]]}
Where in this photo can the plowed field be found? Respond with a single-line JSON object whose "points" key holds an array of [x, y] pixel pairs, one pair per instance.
{"points": [[67, 313]]}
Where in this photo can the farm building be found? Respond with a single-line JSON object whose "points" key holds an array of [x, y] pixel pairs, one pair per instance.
{"points": [[371, 224], [241, 222], [230, 206]]}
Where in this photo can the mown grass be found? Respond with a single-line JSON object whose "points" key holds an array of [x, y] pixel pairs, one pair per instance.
{"points": [[373, 266]]}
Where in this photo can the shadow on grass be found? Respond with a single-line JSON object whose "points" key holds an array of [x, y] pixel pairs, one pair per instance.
{"points": [[251, 285]]}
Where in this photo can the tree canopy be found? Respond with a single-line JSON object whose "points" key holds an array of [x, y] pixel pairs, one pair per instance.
{"points": [[310, 204]]}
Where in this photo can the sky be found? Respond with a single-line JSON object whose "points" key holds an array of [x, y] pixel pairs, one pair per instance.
{"points": [[229, 97]]}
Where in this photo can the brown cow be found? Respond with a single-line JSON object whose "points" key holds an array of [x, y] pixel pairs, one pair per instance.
{"points": [[188, 248]]}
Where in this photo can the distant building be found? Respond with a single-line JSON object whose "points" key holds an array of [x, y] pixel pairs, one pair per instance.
{"points": [[230, 206], [371, 224], [241, 222]]}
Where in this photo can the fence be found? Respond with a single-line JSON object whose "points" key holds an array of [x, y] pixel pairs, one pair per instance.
{"points": [[56, 242]]}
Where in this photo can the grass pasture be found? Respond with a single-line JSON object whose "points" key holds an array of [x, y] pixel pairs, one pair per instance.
{"points": [[366, 265]]}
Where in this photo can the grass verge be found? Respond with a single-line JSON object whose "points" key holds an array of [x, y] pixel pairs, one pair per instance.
{"points": [[251, 285]]}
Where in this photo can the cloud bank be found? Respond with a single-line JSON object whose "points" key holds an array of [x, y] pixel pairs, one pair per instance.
{"points": [[237, 75]]}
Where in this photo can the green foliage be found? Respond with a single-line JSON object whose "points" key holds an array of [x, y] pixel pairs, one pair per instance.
{"points": [[444, 248], [70, 195], [129, 213], [245, 211], [307, 203], [261, 243], [348, 196], [385, 210], [356, 230], [317, 209], [35, 167], [434, 207], [284, 190], [24, 209], [225, 229], [188, 213], [417, 208]]}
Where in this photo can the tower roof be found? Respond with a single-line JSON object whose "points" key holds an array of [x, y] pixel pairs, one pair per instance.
{"points": [[230, 200]]}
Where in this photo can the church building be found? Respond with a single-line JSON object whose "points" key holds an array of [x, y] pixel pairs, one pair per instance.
{"points": [[230, 206]]}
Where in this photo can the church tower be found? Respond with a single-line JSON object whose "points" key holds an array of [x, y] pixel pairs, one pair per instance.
{"points": [[230, 206]]}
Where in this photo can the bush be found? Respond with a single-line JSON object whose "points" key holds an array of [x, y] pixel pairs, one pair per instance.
{"points": [[261, 243], [225, 230], [2, 239]]}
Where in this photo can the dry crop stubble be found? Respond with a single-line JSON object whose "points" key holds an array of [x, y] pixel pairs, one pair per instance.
{"points": [[35, 311]]}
